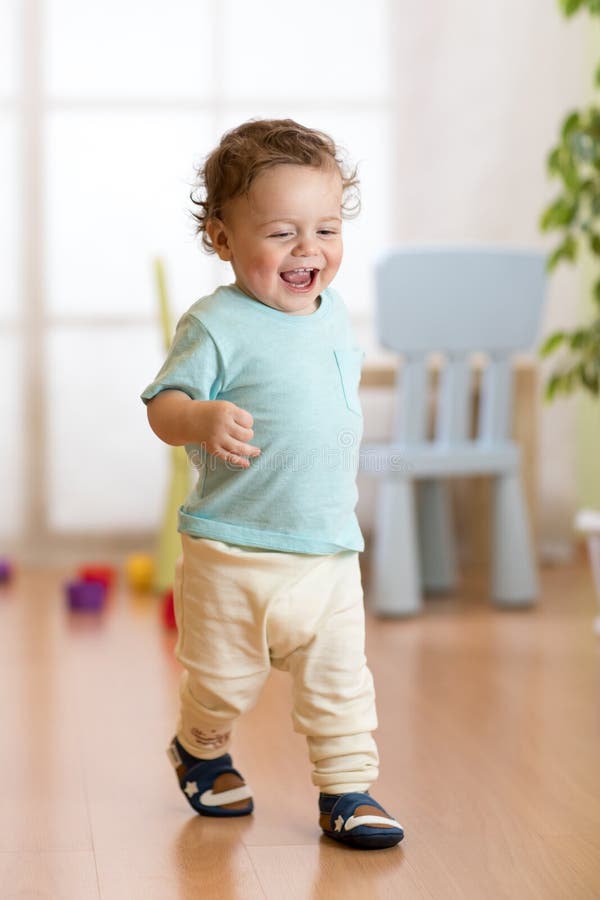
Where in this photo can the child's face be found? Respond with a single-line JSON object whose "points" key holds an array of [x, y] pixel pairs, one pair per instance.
{"points": [[284, 238]]}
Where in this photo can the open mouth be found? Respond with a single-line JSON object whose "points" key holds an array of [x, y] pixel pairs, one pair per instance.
{"points": [[299, 279]]}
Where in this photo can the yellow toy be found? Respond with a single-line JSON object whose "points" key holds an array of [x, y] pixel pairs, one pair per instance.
{"points": [[139, 569]]}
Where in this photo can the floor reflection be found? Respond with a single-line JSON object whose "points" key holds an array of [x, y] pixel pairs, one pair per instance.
{"points": [[211, 860], [345, 871]]}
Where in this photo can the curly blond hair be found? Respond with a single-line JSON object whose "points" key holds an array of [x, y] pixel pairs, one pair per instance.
{"points": [[248, 150]]}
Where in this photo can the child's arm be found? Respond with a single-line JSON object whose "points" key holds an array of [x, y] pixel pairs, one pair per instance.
{"points": [[223, 428]]}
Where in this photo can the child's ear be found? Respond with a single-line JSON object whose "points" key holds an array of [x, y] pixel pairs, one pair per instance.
{"points": [[219, 238]]}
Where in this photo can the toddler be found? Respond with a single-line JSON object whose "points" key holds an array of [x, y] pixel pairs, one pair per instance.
{"points": [[261, 386]]}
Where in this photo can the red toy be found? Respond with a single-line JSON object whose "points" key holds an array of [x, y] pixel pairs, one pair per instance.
{"points": [[168, 611], [99, 573]]}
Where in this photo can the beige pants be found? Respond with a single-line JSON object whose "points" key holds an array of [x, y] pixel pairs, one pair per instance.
{"points": [[240, 611]]}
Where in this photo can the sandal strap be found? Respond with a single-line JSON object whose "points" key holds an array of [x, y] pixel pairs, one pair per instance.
{"points": [[203, 777], [341, 812], [197, 783], [207, 770], [208, 798], [357, 821]]}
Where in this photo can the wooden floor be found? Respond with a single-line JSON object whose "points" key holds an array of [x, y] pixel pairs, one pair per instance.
{"points": [[489, 742]]}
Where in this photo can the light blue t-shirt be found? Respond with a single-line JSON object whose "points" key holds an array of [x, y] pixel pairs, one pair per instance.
{"points": [[298, 377]]}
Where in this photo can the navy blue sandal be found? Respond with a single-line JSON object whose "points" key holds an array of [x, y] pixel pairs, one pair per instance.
{"points": [[351, 819], [212, 786]]}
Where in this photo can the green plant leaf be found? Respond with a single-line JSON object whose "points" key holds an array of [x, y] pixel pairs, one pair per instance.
{"points": [[552, 343], [570, 124], [560, 213], [552, 386], [553, 161], [579, 339], [569, 7], [590, 378], [567, 251]]}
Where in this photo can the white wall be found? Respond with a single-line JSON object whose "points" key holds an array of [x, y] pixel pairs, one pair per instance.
{"points": [[451, 126], [479, 91]]}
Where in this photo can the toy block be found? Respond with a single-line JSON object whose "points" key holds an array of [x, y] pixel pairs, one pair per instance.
{"points": [[168, 611], [6, 571], [139, 568], [105, 575], [86, 596]]}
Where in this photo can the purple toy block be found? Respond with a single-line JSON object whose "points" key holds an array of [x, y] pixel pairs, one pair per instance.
{"points": [[6, 571], [85, 595]]}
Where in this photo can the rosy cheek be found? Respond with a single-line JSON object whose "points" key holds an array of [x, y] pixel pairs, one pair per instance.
{"points": [[263, 267]]}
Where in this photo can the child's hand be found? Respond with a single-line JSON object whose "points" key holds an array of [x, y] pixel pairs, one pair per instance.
{"points": [[218, 425], [226, 429]]}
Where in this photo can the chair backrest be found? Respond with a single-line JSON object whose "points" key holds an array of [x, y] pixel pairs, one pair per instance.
{"points": [[457, 302]]}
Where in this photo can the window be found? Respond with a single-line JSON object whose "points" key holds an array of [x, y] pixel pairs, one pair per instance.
{"points": [[117, 103]]}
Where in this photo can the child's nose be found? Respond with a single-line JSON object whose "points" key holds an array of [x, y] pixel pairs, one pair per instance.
{"points": [[305, 246]]}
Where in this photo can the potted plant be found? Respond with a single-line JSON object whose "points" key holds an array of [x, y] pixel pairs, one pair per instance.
{"points": [[575, 215]]}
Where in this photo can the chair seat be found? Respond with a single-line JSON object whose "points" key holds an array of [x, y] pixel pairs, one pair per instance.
{"points": [[438, 459]]}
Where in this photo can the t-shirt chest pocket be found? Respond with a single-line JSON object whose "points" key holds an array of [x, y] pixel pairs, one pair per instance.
{"points": [[349, 364]]}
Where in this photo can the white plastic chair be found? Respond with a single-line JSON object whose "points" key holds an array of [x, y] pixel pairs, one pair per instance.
{"points": [[454, 301]]}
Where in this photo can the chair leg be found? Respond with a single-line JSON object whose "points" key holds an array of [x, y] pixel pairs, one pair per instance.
{"points": [[395, 588], [514, 575], [436, 537]]}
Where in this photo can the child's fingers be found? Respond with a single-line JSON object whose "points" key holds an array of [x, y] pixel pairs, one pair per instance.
{"points": [[234, 460], [242, 417], [241, 434], [240, 449], [230, 457]]}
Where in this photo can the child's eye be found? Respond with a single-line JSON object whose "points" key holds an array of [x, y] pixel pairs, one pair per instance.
{"points": [[327, 231], [281, 234]]}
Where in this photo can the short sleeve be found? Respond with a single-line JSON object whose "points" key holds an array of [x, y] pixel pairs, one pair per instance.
{"points": [[191, 366]]}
